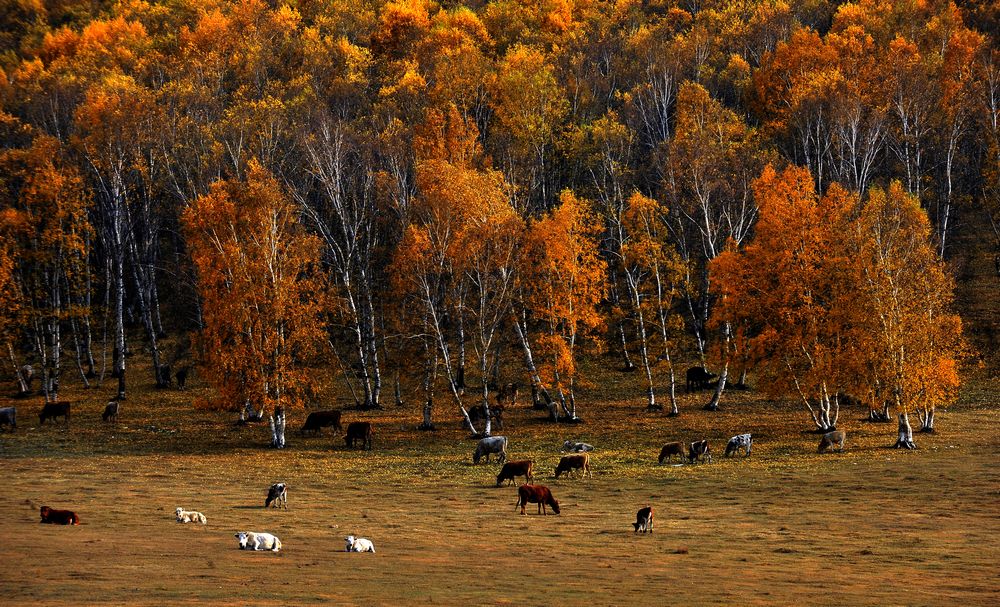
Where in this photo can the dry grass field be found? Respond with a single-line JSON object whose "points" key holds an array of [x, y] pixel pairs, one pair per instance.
{"points": [[870, 526]]}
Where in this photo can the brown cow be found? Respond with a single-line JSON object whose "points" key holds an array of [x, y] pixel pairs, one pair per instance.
{"points": [[671, 449], [574, 462], [830, 439], [59, 517], [361, 431], [699, 449], [54, 410], [536, 494], [317, 420], [644, 520], [512, 469]]}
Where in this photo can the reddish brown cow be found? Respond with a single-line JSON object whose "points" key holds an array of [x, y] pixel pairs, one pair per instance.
{"points": [[59, 517], [671, 449], [359, 431], [574, 462], [536, 494], [512, 469]]}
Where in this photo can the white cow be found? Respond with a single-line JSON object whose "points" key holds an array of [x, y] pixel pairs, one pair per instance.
{"points": [[359, 544], [250, 540], [577, 447], [190, 516]]}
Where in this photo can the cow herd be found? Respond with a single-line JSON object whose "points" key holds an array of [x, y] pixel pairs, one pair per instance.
{"points": [[277, 495], [576, 462]]}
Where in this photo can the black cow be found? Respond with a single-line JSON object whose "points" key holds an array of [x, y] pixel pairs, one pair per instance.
{"points": [[181, 376], [318, 420], [164, 377], [54, 410], [8, 417], [110, 411], [698, 378]]}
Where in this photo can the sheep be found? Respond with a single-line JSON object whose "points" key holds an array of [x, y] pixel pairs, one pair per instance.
{"points": [[190, 516], [250, 540], [359, 544]]}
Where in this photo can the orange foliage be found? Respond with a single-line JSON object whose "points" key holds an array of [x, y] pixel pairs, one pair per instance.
{"points": [[837, 298], [563, 279], [262, 293]]}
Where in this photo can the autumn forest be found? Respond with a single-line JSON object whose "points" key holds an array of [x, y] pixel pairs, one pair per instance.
{"points": [[443, 200]]}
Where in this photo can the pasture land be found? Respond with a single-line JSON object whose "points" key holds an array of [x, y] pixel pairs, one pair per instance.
{"points": [[870, 526]]}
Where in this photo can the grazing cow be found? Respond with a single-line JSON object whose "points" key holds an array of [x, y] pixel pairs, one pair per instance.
{"points": [[489, 446], [110, 411], [54, 410], [359, 431], [250, 540], [181, 377], [8, 417], [698, 378], [577, 447], [510, 470], [58, 517], [536, 494], [699, 449], [830, 439], [671, 449], [190, 516], [740, 441], [318, 420], [164, 380], [574, 462], [277, 493], [644, 520], [359, 544]]}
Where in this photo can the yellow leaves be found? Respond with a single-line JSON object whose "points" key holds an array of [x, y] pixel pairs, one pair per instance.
{"points": [[560, 17], [402, 22], [409, 86], [448, 136], [528, 100], [286, 19]]}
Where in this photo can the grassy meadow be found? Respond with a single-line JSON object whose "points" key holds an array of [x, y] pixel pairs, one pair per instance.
{"points": [[870, 526]]}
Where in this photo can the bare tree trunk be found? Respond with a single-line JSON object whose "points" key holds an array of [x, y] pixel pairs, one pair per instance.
{"points": [[640, 319], [79, 353], [926, 416], [344, 373], [626, 357], [119, 311], [278, 429], [483, 367], [905, 436], [430, 378], [713, 405], [674, 410], [529, 362], [461, 348], [21, 383]]}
